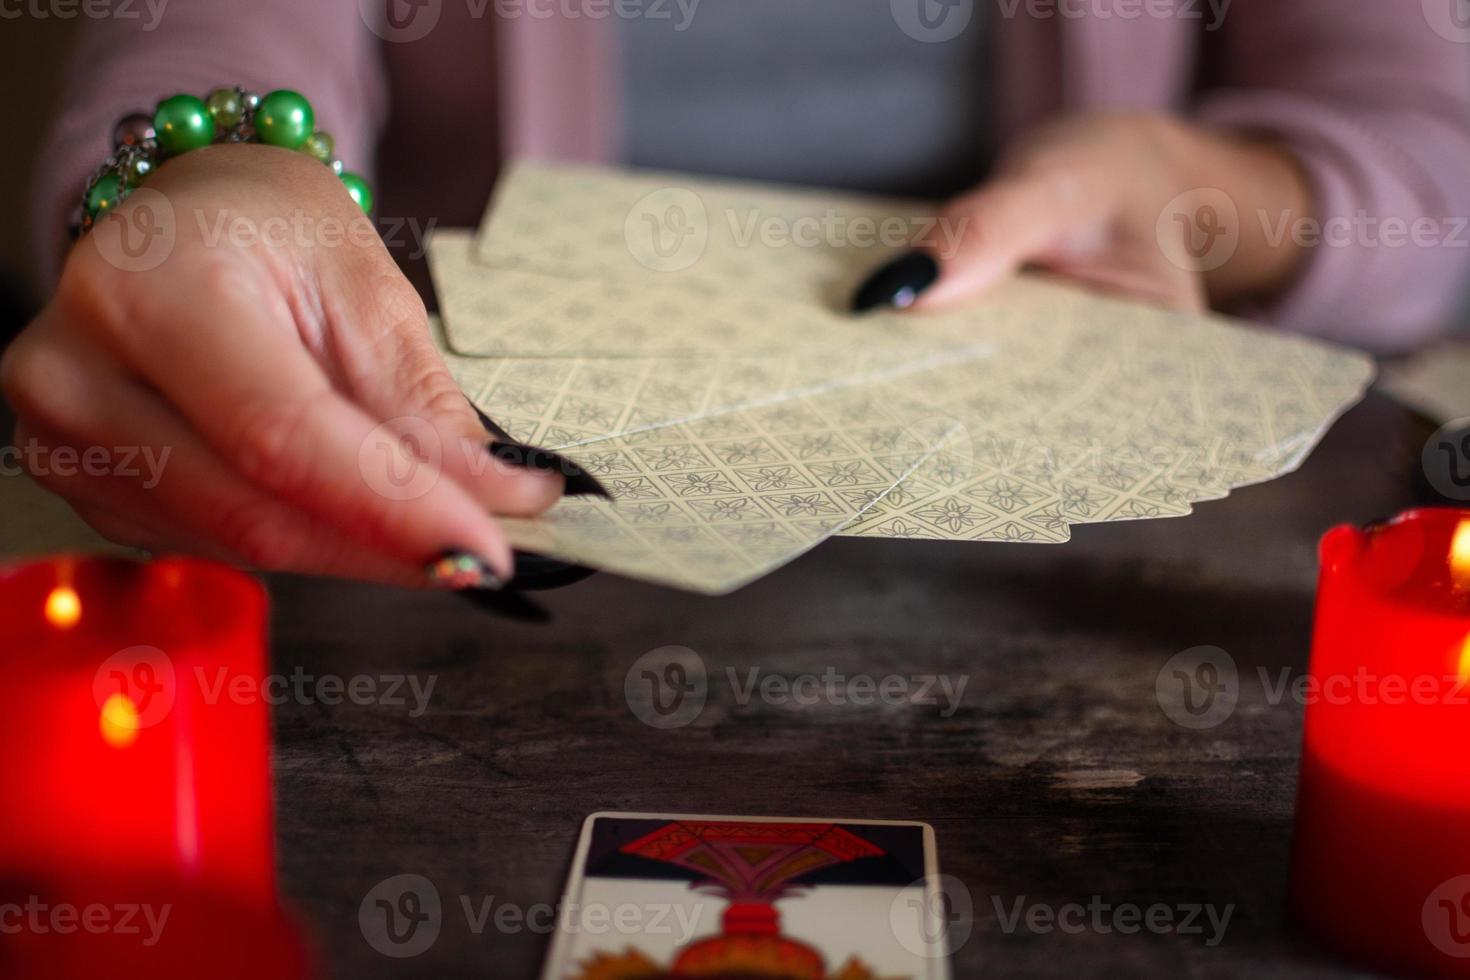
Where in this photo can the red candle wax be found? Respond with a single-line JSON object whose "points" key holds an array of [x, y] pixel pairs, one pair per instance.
{"points": [[1381, 851], [150, 930], [127, 757]]}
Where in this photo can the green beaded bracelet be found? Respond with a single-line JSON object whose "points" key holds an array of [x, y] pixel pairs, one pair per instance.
{"points": [[182, 123]]}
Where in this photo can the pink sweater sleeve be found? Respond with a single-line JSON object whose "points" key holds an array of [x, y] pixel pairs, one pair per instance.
{"points": [[321, 48], [1374, 97]]}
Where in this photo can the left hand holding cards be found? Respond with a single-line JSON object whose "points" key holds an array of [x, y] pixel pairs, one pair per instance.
{"points": [[234, 367]]}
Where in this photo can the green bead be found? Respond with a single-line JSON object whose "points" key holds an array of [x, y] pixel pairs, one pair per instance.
{"points": [[360, 191], [320, 146], [226, 108], [138, 168], [103, 195], [183, 123], [284, 118]]}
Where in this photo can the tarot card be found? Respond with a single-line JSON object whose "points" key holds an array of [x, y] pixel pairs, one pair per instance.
{"points": [[669, 895]]}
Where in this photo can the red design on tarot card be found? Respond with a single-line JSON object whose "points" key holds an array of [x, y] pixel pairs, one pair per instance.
{"points": [[751, 865], [751, 862]]}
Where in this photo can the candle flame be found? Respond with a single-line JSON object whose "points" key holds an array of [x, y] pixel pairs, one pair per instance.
{"points": [[63, 607], [1460, 557], [119, 721]]}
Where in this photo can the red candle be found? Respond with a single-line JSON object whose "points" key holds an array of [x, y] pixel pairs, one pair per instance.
{"points": [[1381, 853], [136, 767]]}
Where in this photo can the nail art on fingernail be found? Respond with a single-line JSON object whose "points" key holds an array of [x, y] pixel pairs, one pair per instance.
{"points": [[898, 284], [579, 481], [458, 570]]}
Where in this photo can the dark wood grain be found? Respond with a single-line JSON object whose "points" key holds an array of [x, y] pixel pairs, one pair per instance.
{"points": [[1059, 777]]}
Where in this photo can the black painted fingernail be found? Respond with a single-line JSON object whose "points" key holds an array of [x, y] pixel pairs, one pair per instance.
{"points": [[459, 570], [508, 604], [488, 422], [897, 284], [579, 481], [537, 573]]}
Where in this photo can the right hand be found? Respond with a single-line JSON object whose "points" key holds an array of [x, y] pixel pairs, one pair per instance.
{"points": [[282, 362]]}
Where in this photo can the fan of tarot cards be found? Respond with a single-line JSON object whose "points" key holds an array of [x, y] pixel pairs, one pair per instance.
{"points": [[688, 344]]}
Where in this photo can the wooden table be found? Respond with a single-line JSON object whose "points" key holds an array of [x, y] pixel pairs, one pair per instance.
{"points": [[1059, 778]]}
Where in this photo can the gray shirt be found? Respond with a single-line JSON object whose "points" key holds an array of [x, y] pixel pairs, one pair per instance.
{"points": [[827, 92]]}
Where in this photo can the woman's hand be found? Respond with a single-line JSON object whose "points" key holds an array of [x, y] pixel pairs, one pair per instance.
{"points": [[238, 323], [1145, 206]]}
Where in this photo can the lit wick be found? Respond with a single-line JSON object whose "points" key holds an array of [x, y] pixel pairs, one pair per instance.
{"points": [[119, 721], [1460, 581], [63, 607]]}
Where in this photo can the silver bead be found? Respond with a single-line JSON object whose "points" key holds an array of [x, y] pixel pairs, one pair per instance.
{"points": [[337, 167], [132, 130], [250, 100], [136, 168]]}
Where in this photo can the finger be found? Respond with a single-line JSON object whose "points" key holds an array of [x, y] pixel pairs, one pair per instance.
{"points": [[268, 539], [1140, 272], [406, 384], [176, 493], [241, 378], [97, 497], [1184, 297], [1185, 294], [88, 498], [121, 530], [1026, 215]]}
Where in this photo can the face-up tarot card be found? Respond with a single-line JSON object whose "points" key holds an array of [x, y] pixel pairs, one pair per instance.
{"points": [[667, 896]]}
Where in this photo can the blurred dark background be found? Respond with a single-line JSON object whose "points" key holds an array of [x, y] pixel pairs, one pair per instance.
{"points": [[33, 53]]}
